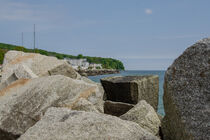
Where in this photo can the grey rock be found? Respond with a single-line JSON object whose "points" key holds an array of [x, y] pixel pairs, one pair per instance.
{"points": [[116, 108], [90, 92], [12, 78], [63, 69], [65, 124], [40, 65], [23, 102], [24, 72], [21, 72], [187, 95], [87, 80], [144, 115], [84, 105], [132, 89]]}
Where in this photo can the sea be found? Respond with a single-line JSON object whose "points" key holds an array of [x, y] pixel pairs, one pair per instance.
{"points": [[138, 73]]}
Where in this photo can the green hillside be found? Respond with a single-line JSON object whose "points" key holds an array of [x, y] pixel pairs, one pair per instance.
{"points": [[107, 63]]}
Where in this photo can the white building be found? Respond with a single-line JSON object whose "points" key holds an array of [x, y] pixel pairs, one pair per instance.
{"points": [[95, 66], [78, 63], [82, 64]]}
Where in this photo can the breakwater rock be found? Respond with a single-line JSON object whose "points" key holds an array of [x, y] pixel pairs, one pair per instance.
{"points": [[23, 102], [116, 108], [132, 89], [65, 124], [144, 115], [25, 64], [45, 98], [187, 95], [94, 72]]}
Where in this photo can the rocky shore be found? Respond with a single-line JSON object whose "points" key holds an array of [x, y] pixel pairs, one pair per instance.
{"points": [[43, 98], [94, 72]]}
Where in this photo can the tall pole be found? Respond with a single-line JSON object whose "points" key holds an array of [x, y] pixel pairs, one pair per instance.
{"points": [[22, 38], [34, 38]]}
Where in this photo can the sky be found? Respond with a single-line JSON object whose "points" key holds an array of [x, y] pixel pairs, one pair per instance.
{"points": [[143, 34]]}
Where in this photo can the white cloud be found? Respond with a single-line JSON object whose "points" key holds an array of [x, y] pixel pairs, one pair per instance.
{"points": [[148, 11]]}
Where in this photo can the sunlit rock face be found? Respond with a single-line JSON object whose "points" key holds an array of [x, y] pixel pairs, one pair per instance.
{"points": [[65, 124], [187, 95], [24, 101], [144, 115], [34, 64]]}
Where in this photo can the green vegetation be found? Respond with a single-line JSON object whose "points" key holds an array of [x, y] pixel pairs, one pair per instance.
{"points": [[98, 67], [107, 63]]}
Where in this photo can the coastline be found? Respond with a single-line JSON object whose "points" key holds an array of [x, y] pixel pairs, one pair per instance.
{"points": [[95, 72]]}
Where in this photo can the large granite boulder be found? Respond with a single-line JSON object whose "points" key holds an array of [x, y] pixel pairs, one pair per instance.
{"points": [[116, 108], [84, 105], [65, 124], [144, 115], [35, 63], [132, 89], [21, 72], [23, 102], [187, 95]]}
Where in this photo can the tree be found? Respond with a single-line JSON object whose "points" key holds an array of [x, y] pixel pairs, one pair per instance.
{"points": [[79, 56]]}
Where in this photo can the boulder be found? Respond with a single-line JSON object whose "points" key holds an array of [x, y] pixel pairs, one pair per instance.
{"points": [[21, 72], [116, 108], [24, 72], [84, 105], [12, 78], [23, 102], [65, 124], [35, 63], [132, 89], [187, 95], [87, 80], [144, 115]]}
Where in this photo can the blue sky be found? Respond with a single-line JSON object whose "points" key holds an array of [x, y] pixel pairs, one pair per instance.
{"points": [[143, 34]]}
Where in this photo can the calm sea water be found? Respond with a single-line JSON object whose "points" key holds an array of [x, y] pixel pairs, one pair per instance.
{"points": [[137, 73]]}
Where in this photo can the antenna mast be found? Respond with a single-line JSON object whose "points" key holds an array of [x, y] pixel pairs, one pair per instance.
{"points": [[34, 38], [22, 39]]}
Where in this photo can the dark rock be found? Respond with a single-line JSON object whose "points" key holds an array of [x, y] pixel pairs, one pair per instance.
{"points": [[116, 108], [132, 89], [187, 95]]}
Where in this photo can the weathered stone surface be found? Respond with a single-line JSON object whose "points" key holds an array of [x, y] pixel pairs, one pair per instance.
{"points": [[63, 69], [23, 72], [132, 89], [23, 102], [12, 78], [90, 92], [116, 108], [187, 95], [40, 65], [144, 115], [84, 105], [65, 124], [87, 80]]}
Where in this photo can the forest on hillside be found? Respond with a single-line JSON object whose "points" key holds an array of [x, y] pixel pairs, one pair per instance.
{"points": [[107, 63]]}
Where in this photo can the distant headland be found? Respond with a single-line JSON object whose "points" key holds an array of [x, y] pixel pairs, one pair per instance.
{"points": [[85, 65]]}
